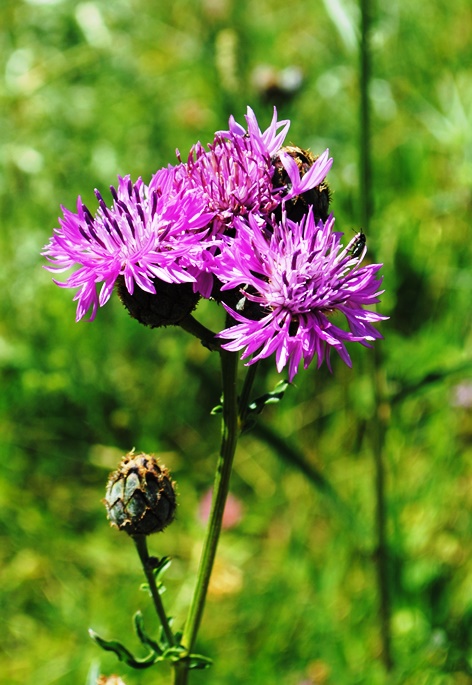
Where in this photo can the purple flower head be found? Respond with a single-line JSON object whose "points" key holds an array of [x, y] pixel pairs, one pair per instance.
{"points": [[149, 232], [300, 276], [236, 173]]}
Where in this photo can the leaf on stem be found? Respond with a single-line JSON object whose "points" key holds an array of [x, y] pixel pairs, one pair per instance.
{"points": [[257, 405], [198, 661], [218, 409], [160, 567], [138, 621], [124, 654]]}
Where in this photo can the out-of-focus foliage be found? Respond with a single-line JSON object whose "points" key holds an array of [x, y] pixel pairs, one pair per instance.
{"points": [[94, 89]]}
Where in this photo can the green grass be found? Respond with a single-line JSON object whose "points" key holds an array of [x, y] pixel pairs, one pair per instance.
{"points": [[93, 90]]}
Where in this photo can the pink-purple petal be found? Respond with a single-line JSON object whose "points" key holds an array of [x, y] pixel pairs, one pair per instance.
{"points": [[292, 271]]}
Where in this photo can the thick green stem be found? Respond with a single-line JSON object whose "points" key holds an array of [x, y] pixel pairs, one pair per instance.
{"points": [[141, 546], [230, 431]]}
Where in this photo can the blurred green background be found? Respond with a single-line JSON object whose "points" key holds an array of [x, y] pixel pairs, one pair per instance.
{"points": [[95, 89]]}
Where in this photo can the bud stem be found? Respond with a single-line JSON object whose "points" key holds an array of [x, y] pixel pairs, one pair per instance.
{"points": [[141, 545], [194, 327], [230, 430]]}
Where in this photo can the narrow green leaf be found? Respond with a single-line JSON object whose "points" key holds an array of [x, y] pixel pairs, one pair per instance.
{"points": [[124, 654], [161, 566], [257, 405], [269, 397], [198, 661], [138, 621], [178, 636]]}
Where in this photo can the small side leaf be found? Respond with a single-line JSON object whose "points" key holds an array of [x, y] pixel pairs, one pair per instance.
{"points": [[138, 621], [256, 407], [174, 653], [198, 661], [269, 397], [124, 654], [162, 639], [159, 571], [161, 566]]}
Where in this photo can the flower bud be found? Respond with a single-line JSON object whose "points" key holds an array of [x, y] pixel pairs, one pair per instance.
{"points": [[140, 496], [170, 304]]}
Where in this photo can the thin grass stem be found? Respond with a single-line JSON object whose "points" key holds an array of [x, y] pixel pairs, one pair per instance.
{"points": [[378, 427]]}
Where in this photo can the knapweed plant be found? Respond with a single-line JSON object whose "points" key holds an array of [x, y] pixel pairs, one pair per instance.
{"points": [[246, 224]]}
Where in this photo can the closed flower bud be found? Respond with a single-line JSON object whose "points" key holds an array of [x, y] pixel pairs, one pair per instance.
{"points": [[140, 496]]}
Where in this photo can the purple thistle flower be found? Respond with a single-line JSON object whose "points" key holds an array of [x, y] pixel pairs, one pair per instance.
{"points": [[148, 233], [300, 276], [236, 173]]}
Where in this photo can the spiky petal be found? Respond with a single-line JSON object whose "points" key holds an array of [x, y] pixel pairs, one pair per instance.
{"points": [[300, 276], [149, 232]]}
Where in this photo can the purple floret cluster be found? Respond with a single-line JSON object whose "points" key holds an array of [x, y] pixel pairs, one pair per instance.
{"points": [[244, 222]]}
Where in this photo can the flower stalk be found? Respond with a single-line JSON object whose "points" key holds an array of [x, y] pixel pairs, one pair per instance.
{"points": [[198, 330], [141, 545], [230, 431]]}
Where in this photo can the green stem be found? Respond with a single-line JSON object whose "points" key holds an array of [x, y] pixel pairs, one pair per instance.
{"points": [[230, 430], [141, 546], [195, 328], [382, 556], [365, 170]]}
